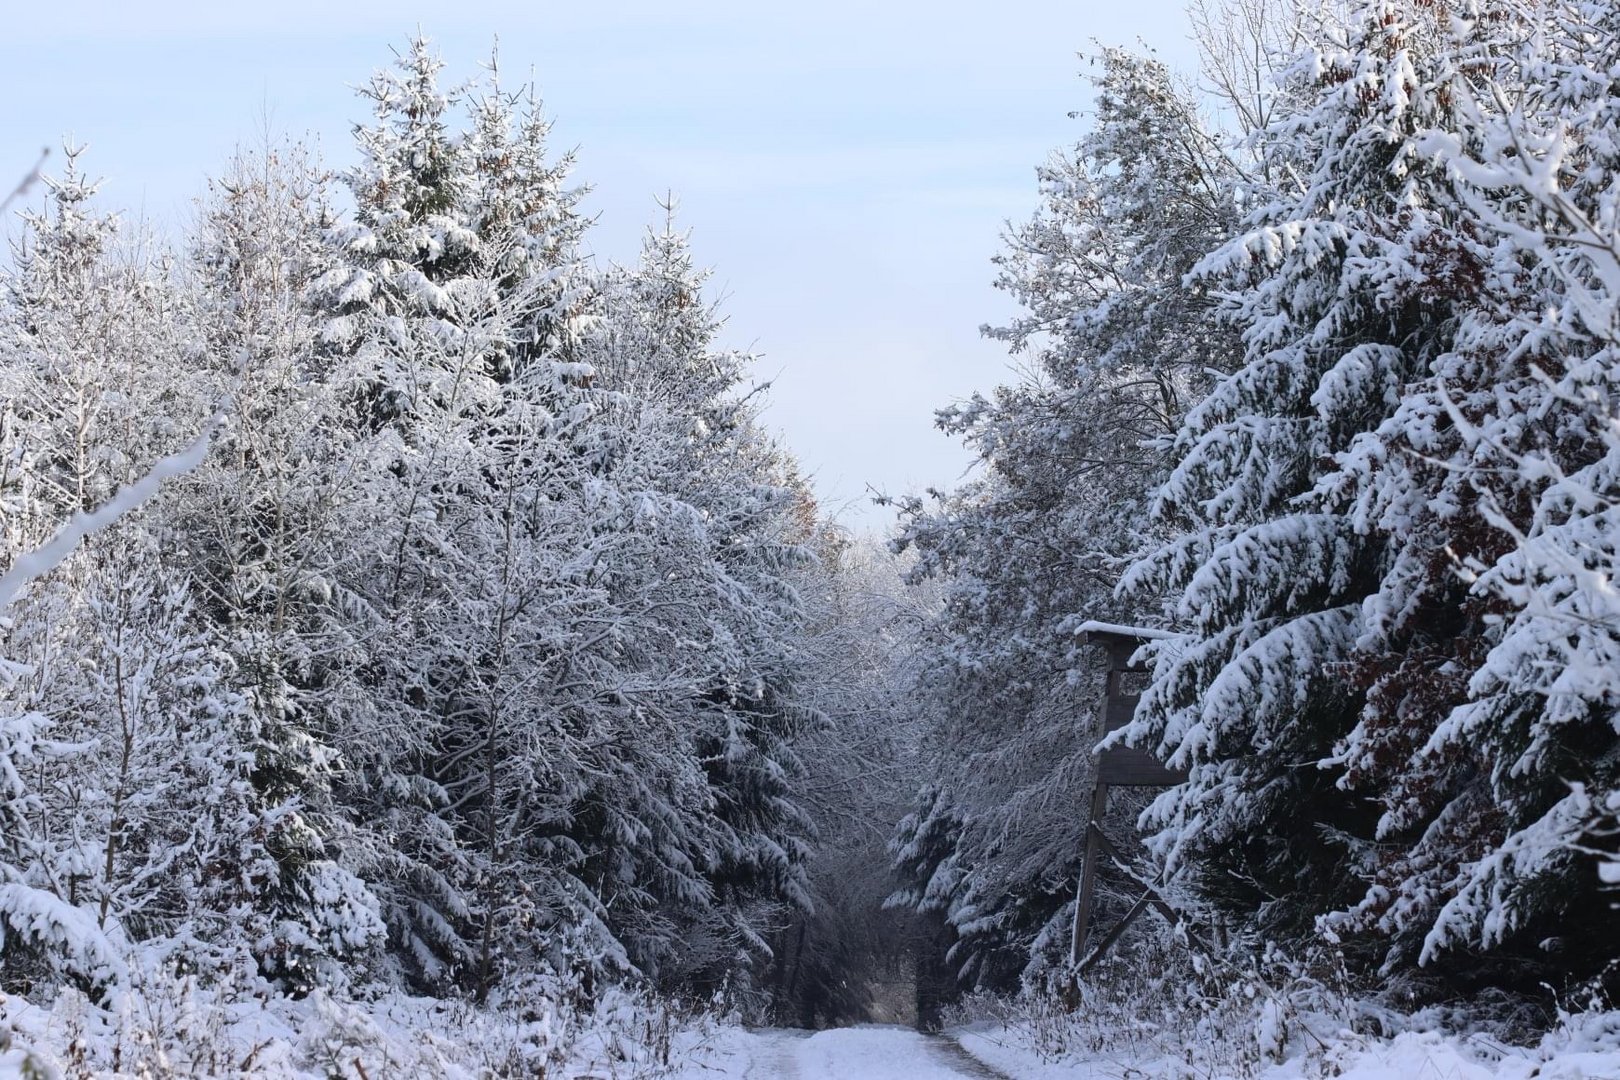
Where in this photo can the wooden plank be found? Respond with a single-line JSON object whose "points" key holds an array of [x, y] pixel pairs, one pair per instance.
{"points": [[1126, 766], [1118, 710], [1119, 646]]}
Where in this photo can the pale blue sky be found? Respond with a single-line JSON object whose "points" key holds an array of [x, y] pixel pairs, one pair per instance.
{"points": [[845, 167]]}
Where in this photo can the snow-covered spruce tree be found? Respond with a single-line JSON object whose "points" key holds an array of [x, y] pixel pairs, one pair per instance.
{"points": [[1327, 631], [1492, 750], [725, 528], [122, 784], [925, 853], [454, 291], [70, 369], [1036, 542], [268, 522], [525, 213], [404, 395]]}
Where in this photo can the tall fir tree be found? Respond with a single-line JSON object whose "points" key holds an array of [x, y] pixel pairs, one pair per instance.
{"points": [[726, 542], [1487, 740], [124, 783], [267, 521], [1315, 571]]}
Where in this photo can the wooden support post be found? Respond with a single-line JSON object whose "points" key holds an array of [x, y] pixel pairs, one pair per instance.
{"points": [[1097, 843], [1113, 935], [1150, 892], [1088, 873]]}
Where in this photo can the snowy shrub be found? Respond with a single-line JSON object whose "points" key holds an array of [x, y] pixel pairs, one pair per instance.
{"points": [[166, 1024]]}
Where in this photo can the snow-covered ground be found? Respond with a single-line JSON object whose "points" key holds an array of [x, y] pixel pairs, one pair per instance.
{"points": [[1586, 1048], [1589, 1049], [877, 1052], [629, 1039]]}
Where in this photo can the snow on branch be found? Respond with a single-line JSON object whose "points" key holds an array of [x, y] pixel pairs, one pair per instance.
{"points": [[1144, 632], [41, 917], [32, 565]]}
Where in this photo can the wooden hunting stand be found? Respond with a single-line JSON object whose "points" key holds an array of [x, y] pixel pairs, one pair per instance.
{"points": [[1119, 766]]}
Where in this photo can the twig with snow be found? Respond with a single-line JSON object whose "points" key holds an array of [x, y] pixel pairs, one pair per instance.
{"points": [[32, 565]]}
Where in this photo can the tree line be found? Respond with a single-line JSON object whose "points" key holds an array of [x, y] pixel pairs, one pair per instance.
{"points": [[495, 648], [1322, 381], [480, 652]]}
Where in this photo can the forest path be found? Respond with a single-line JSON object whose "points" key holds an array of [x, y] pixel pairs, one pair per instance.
{"points": [[875, 1052]]}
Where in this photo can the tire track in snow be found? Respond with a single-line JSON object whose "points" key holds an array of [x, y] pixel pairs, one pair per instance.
{"points": [[955, 1057], [881, 1052], [777, 1058]]}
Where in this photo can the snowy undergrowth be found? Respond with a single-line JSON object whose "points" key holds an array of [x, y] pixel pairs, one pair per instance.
{"points": [[1583, 1048], [175, 1026], [1161, 1012]]}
